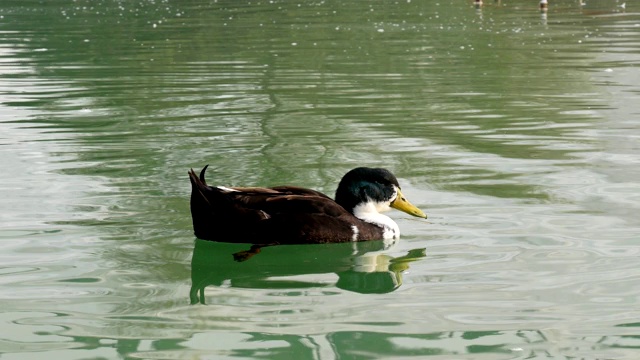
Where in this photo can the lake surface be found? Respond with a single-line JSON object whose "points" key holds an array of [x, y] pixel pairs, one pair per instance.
{"points": [[516, 131]]}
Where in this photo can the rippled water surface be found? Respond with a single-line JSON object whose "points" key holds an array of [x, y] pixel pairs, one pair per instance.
{"points": [[518, 133]]}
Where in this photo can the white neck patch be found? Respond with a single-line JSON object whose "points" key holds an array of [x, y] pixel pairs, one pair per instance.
{"points": [[370, 212]]}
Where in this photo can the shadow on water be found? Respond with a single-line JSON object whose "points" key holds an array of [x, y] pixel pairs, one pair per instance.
{"points": [[361, 267]]}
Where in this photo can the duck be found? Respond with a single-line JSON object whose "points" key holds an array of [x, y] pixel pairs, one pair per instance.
{"points": [[283, 215]]}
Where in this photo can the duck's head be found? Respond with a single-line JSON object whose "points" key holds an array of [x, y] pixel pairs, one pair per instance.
{"points": [[365, 190]]}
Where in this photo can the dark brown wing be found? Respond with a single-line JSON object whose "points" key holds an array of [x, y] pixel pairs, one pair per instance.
{"points": [[295, 190], [278, 215], [286, 203], [276, 191]]}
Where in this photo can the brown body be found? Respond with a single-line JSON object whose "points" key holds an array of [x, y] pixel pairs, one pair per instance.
{"points": [[277, 215]]}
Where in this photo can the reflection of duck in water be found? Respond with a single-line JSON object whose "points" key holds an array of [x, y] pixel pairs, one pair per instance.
{"points": [[361, 267], [294, 215]]}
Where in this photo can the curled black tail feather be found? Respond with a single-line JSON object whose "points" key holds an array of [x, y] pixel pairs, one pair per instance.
{"points": [[204, 169]]}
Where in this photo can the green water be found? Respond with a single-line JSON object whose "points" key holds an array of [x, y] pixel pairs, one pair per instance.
{"points": [[517, 132]]}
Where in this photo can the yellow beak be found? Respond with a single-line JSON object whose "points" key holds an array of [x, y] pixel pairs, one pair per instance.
{"points": [[400, 203]]}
